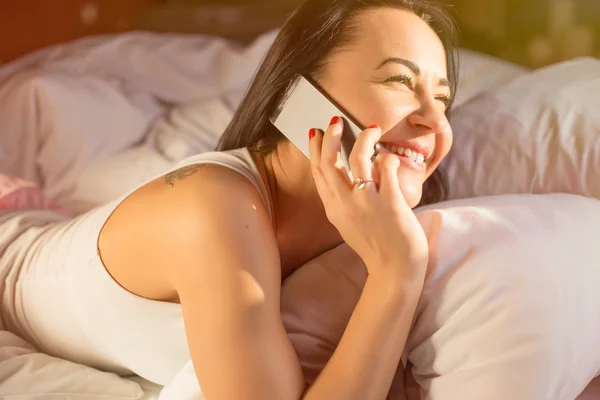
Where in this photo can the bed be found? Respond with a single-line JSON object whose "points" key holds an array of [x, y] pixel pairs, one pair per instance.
{"points": [[86, 129]]}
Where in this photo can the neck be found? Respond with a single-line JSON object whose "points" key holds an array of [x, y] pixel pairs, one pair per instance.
{"points": [[302, 228]]}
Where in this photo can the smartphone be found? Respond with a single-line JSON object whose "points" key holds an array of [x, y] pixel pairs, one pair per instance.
{"points": [[307, 106]]}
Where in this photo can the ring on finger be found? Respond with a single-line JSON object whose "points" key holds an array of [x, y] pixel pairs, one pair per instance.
{"points": [[360, 183]]}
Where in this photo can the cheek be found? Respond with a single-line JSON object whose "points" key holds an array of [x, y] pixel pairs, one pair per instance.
{"points": [[443, 143], [383, 108], [368, 103]]}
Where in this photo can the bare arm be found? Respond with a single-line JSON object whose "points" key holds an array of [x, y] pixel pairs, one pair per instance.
{"points": [[367, 357], [228, 281], [226, 272]]}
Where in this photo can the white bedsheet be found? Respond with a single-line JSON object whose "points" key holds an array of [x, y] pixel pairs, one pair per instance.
{"points": [[90, 119], [69, 105]]}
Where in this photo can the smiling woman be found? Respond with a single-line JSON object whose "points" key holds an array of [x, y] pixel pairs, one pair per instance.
{"points": [[189, 265], [317, 41]]}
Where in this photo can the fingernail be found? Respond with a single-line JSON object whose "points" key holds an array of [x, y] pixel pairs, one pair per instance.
{"points": [[312, 133], [334, 120], [374, 126]]}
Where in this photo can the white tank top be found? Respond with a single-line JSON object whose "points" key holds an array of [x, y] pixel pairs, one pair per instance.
{"points": [[61, 298]]}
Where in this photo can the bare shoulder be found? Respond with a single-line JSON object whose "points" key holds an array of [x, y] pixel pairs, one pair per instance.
{"points": [[199, 190], [198, 176], [181, 221]]}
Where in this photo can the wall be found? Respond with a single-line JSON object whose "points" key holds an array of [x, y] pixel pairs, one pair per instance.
{"points": [[531, 32], [27, 25]]}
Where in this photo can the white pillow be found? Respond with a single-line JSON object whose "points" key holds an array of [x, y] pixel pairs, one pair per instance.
{"points": [[195, 127], [510, 309], [108, 178], [186, 130], [54, 124], [537, 134], [480, 72]]}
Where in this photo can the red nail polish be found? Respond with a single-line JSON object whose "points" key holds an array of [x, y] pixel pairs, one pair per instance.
{"points": [[334, 120], [312, 133], [374, 126]]}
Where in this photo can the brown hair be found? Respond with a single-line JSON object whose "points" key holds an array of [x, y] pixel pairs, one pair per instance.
{"points": [[311, 33]]}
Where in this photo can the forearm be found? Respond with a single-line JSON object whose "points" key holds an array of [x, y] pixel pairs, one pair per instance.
{"points": [[367, 357]]}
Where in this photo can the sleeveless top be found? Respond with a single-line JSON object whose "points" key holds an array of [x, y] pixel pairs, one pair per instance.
{"points": [[59, 296]]}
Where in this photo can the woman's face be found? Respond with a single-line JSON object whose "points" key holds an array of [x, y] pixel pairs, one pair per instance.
{"points": [[394, 75]]}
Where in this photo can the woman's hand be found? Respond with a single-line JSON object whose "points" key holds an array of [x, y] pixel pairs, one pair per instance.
{"points": [[374, 220]]}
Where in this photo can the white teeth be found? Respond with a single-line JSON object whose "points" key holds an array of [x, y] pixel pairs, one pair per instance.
{"points": [[409, 153], [413, 155]]}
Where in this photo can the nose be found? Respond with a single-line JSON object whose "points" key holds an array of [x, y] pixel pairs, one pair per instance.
{"points": [[429, 117]]}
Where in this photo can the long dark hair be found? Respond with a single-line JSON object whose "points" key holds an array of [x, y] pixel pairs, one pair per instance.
{"points": [[311, 33]]}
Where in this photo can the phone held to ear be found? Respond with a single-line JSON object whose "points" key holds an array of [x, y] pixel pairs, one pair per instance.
{"points": [[306, 106]]}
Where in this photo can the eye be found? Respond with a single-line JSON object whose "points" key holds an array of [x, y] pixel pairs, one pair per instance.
{"points": [[445, 99], [403, 79]]}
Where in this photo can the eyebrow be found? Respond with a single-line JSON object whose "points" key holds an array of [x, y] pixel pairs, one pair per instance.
{"points": [[412, 66]]}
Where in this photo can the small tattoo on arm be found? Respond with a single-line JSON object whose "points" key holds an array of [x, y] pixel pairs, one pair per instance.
{"points": [[181, 174]]}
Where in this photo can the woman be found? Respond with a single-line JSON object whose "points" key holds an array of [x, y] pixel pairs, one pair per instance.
{"points": [[191, 263]]}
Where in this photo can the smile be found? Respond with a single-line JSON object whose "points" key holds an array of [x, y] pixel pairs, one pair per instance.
{"points": [[409, 157]]}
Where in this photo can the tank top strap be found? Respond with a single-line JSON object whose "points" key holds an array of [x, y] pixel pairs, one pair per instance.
{"points": [[240, 161]]}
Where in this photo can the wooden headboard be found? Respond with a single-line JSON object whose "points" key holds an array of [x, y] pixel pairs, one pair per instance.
{"points": [[28, 25]]}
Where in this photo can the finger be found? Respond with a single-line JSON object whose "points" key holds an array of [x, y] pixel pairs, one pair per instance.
{"points": [[389, 186], [315, 141], [362, 153], [315, 137], [332, 142], [331, 164]]}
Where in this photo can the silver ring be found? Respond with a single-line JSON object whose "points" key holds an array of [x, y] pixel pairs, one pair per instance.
{"points": [[360, 183]]}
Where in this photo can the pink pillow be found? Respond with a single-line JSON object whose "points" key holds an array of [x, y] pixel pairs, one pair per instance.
{"points": [[510, 309], [537, 134], [18, 194]]}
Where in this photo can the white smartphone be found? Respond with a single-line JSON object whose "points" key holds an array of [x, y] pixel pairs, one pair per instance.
{"points": [[306, 106]]}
